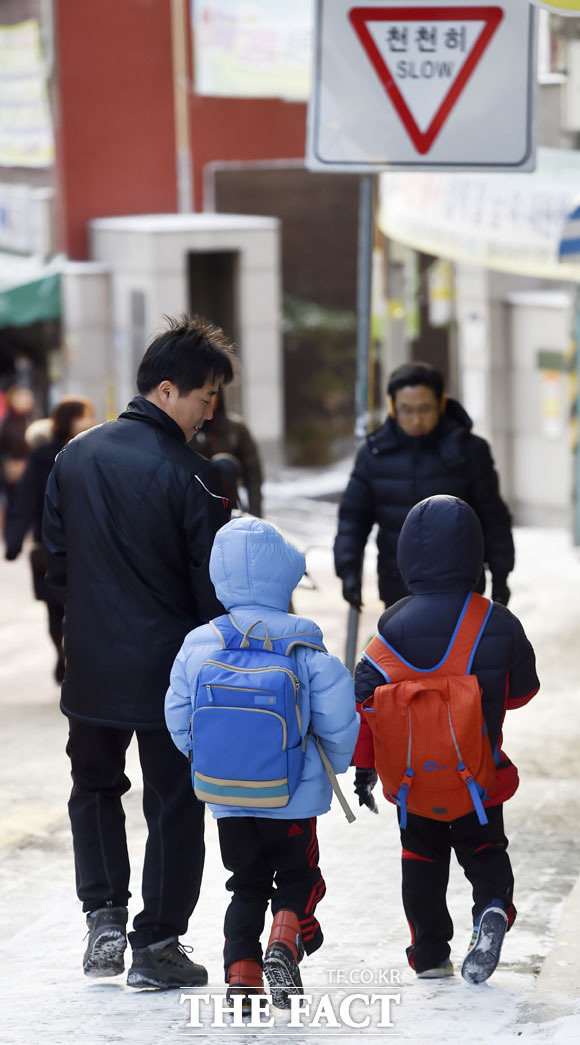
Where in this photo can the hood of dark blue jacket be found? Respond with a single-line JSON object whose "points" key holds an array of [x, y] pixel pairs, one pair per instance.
{"points": [[440, 546]]}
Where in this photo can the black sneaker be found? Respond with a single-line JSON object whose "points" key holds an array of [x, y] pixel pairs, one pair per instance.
{"points": [[107, 942], [165, 967], [282, 974]]}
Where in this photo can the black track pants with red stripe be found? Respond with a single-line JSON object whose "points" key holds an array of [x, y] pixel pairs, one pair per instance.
{"points": [[270, 860], [481, 849]]}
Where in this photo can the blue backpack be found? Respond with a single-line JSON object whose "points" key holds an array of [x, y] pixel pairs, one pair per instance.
{"points": [[248, 741]]}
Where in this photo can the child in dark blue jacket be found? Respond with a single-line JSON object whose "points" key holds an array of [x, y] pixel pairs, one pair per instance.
{"points": [[440, 557]]}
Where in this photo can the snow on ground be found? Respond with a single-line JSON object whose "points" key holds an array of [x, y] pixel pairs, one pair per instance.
{"points": [[45, 997]]}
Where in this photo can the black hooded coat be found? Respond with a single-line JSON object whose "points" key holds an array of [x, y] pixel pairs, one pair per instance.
{"points": [[439, 555], [394, 471]]}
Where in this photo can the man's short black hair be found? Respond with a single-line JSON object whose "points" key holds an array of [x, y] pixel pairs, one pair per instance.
{"points": [[410, 374], [190, 352]]}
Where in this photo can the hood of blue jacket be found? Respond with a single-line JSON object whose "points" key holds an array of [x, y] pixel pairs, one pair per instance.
{"points": [[440, 546], [251, 563]]}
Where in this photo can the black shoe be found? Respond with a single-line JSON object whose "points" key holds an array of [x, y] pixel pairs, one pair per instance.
{"points": [[107, 942], [165, 967], [282, 974]]}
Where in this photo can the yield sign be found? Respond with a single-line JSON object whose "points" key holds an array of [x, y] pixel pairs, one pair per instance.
{"points": [[423, 85], [424, 57]]}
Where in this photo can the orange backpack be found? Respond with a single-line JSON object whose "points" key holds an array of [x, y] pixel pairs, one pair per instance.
{"points": [[432, 751]]}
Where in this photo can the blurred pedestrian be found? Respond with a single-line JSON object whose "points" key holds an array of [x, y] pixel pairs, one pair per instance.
{"points": [[13, 446], [425, 447], [129, 520], [227, 441], [72, 415]]}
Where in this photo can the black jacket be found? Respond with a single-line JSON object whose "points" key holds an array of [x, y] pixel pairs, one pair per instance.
{"points": [[227, 434], [24, 513], [129, 520], [439, 556], [394, 471]]}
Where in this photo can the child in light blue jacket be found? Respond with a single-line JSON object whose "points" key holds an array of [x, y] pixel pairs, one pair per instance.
{"points": [[272, 853]]}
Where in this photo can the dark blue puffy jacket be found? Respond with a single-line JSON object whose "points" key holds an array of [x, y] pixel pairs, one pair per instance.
{"points": [[439, 555], [394, 471]]}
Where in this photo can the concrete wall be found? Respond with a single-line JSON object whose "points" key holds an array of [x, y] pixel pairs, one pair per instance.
{"points": [[539, 322], [86, 358], [148, 257], [503, 322]]}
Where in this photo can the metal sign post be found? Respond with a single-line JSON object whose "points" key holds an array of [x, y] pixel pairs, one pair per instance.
{"points": [[363, 307]]}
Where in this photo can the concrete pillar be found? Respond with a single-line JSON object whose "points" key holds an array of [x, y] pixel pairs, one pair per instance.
{"points": [[87, 356]]}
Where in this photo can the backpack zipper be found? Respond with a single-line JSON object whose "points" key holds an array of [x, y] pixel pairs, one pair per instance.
{"points": [[274, 667]]}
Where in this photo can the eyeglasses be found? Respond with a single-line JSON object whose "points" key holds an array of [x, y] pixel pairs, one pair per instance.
{"points": [[422, 411]]}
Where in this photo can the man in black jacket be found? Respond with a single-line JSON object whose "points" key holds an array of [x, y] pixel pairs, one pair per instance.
{"points": [[129, 520], [426, 447]]}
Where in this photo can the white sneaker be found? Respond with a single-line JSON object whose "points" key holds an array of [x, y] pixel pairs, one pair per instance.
{"points": [[440, 971], [485, 947]]}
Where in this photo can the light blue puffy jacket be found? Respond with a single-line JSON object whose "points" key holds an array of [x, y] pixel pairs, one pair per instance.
{"points": [[254, 571]]}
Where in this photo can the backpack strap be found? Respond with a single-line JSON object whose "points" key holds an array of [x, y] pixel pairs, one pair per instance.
{"points": [[333, 778], [465, 638], [266, 641], [458, 656]]}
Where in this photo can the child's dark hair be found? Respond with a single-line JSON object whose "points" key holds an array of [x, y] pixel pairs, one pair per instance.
{"points": [[190, 352], [410, 374]]}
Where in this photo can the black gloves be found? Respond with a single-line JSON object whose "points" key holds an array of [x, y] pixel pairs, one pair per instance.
{"points": [[364, 781], [11, 553], [499, 589], [351, 590]]}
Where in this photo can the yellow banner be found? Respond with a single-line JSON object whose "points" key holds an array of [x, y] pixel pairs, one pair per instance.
{"points": [[25, 125], [563, 7]]}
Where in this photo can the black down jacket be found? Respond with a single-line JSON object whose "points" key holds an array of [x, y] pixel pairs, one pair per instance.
{"points": [[129, 520], [439, 556], [394, 471]]}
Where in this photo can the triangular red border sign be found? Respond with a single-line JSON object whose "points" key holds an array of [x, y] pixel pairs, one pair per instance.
{"points": [[359, 16]]}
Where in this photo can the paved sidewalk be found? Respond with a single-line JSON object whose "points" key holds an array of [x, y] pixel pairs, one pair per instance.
{"points": [[532, 997]]}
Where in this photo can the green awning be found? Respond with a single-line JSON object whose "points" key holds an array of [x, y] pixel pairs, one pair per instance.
{"points": [[30, 302]]}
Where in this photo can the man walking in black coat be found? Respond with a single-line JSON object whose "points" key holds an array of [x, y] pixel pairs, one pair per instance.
{"points": [[129, 521], [425, 447]]}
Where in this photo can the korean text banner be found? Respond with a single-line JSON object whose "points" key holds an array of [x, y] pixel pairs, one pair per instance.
{"points": [[25, 125], [253, 48]]}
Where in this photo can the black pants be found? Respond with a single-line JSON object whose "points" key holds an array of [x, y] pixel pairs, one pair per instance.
{"points": [[482, 852], [273, 860], [55, 618], [174, 853]]}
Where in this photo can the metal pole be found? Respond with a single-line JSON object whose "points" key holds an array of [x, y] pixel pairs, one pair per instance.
{"points": [[363, 307], [181, 106], [575, 419]]}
